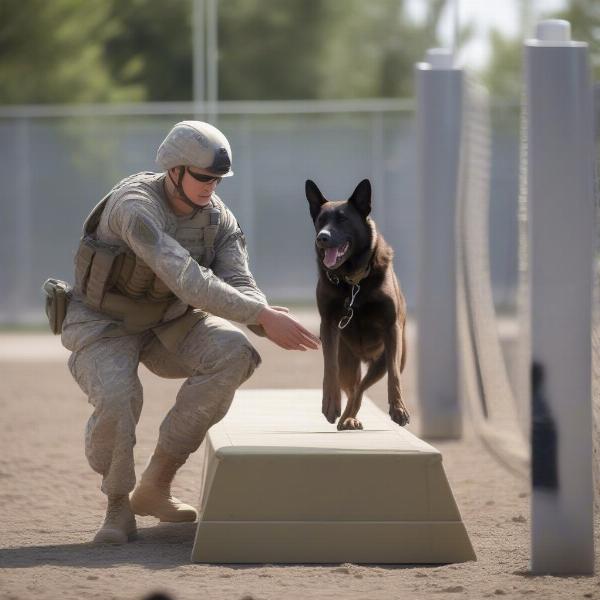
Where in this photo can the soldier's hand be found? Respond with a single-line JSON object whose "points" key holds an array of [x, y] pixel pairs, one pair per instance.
{"points": [[283, 329]]}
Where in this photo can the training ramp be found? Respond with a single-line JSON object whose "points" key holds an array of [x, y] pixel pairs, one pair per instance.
{"points": [[282, 485]]}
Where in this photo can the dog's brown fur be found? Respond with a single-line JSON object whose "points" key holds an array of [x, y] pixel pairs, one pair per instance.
{"points": [[375, 334]]}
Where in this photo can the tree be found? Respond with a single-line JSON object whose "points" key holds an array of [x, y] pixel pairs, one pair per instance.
{"points": [[321, 48], [53, 52], [503, 75], [131, 50], [584, 16], [150, 46]]}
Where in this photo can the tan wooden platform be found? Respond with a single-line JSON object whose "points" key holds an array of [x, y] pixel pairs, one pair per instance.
{"points": [[282, 485]]}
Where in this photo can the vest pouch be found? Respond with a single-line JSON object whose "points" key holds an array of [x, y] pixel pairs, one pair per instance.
{"points": [[94, 273], [83, 262], [58, 294]]}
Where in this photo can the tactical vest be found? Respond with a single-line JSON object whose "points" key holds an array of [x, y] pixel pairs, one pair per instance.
{"points": [[114, 280]]}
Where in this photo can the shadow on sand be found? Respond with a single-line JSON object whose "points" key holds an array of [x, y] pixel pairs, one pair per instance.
{"points": [[161, 547]]}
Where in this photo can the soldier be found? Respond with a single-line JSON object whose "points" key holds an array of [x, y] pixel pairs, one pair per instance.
{"points": [[161, 269]]}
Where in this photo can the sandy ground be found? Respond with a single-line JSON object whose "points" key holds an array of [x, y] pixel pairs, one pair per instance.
{"points": [[51, 504]]}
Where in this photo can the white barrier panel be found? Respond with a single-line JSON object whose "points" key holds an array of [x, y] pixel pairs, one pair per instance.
{"points": [[281, 485], [439, 116], [561, 217]]}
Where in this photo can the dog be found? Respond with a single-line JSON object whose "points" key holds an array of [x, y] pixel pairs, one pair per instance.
{"points": [[363, 311]]}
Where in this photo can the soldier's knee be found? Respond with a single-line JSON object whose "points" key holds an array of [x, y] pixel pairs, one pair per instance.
{"points": [[244, 357]]}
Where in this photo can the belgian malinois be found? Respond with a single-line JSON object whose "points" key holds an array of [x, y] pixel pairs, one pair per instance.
{"points": [[363, 311]]}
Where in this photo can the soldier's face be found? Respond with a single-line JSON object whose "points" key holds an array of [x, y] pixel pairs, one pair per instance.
{"points": [[199, 192]]}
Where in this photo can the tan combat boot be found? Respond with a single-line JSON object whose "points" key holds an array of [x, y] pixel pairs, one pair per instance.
{"points": [[152, 495], [119, 524]]}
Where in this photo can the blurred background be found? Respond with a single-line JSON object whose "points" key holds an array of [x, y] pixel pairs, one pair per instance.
{"points": [[319, 89]]}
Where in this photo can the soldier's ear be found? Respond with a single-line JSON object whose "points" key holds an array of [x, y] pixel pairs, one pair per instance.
{"points": [[314, 197], [361, 198]]}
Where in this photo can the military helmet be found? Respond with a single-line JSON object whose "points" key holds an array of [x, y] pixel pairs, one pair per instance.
{"points": [[196, 144]]}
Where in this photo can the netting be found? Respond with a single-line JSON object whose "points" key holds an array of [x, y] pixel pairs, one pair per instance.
{"points": [[499, 408], [494, 408]]}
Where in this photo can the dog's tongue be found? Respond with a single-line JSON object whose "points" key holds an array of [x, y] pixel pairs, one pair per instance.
{"points": [[330, 257]]}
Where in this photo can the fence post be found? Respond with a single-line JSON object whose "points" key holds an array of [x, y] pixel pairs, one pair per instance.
{"points": [[560, 192], [439, 114], [23, 225]]}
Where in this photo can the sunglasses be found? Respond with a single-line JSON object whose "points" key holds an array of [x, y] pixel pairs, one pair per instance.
{"points": [[204, 178]]}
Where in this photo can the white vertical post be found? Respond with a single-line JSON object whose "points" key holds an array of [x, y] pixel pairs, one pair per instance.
{"points": [[212, 56], [560, 172], [245, 170], [378, 168], [199, 74], [24, 245], [439, 117]]}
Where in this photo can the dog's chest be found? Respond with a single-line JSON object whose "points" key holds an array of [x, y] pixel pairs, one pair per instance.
{"points": [[366, 320]]}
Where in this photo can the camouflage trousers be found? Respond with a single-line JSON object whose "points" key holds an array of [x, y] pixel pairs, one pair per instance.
{"points": [[215, 356]]}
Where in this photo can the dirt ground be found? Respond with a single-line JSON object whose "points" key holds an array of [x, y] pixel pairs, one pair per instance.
{"points": [[52, 505]]}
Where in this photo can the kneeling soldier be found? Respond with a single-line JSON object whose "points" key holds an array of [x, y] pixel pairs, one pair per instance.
{"points": [[161, 269]]}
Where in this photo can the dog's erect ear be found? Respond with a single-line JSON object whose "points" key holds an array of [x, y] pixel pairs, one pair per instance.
{"points": [[361, 198], [314, 197]]}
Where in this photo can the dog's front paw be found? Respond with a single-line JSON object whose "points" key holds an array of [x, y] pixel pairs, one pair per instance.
{"points": [[349, 423], [332, 405], [399, 415]]}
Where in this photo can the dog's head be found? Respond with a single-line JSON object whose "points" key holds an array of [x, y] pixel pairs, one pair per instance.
{"points": [[341, 226]]}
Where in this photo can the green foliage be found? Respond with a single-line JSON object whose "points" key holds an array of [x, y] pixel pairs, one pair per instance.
{"points": [[272, 48], [373, 50], [503, 75], [53, 51], [130, 50], [150, 46], [584, 16], [281, 49]]}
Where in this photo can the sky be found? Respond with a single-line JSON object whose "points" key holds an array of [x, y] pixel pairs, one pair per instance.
{"points": [[504, 15]]}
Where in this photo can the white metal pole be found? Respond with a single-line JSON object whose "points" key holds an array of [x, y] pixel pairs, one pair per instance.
{"points": [[560, 180], [199, 74], [455, 26], [378, 168], [212, 55], [439, 117], [23, 224]]}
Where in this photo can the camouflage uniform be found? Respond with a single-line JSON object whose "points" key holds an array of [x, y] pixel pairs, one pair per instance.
{"points": [[214, 355]]}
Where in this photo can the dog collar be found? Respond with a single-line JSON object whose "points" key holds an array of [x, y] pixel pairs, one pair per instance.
{"points": [[353, 279]]}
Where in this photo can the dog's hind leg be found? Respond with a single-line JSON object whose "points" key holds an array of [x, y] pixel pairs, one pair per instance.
{"points": [[374, 373], [398, 411], [349, 370]]}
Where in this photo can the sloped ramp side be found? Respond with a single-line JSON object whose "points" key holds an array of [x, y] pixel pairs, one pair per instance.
{"points": [[281, 485]]}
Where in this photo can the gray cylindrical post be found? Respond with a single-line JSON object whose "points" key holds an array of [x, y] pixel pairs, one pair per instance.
{"points": [[199, 62], [560, 180], [439, 115]]}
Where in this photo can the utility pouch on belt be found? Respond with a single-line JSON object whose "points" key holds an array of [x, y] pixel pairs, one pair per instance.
{"points": [[58, 294]]}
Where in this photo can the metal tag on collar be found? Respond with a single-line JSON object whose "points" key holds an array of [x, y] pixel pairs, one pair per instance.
{"points": [[345, 320]]}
